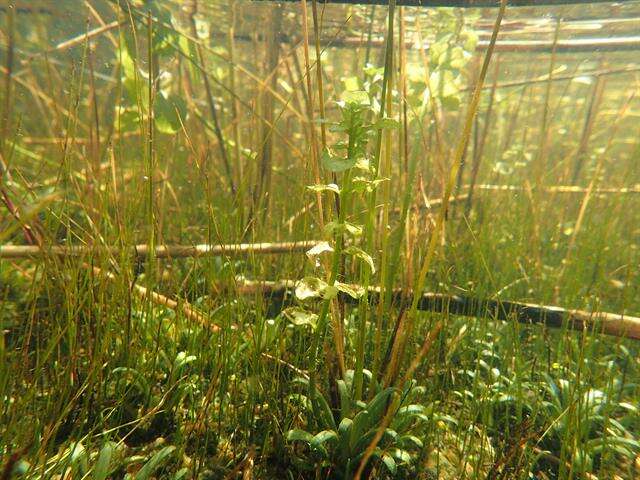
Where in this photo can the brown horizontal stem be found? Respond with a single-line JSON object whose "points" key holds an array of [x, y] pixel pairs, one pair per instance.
{"points": [[560, 189], [161, 251], [187, 310], [618, 325], [465, 3], [558, 78]]}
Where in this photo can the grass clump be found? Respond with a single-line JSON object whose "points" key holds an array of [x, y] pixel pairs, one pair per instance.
{"points": [[463, 170]]}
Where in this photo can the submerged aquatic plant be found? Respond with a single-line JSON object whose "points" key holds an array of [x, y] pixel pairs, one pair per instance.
{"points": [[336, 444]]}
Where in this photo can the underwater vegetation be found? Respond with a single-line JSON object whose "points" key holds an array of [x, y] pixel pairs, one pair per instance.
{"points": [[251, 240]]}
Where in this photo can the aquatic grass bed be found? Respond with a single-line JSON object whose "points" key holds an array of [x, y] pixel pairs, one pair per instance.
{"points": [[467, 169]]}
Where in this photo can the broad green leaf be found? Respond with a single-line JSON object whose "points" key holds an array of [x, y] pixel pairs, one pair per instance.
{"points": [[362, 255], [333, 228], [335, 163], [182, 359], [310, 287], [411, 410], [202, 27], [297, 435], [331, 187], [182, 473], [79, 459], [354, 291], [345, 426], [388, 437], [344, 429], [21, 467], [362, 184], [127, 63], [357, 97], [351, 83], [154, 463], [401, 456], [319, 249], [358, 428], [128, 120], [300, 317], [443, 83], [324, 437], [386, 123], [410, 441], [322, 410], [345, 398], [389, 463], [168, 113], [103, 464], [378, 405]]}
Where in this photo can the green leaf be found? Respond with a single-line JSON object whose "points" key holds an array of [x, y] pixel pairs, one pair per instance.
{"points": [[79, 459], [345, 398], [358, 428], [351, 83], [410, 441], [333, 228], [335, 163], [310, 287], [362, 255], [182, 473], [622, 446], [298, 435], [127, 63], [313, 287], [299, 317], [322, 438], [401, 456], [321, 408], [389, 463], [319, 249], [301, 400], [139, 379], [102, 468], [353, 291], [444, 84], [411, 410], [357, 97], [345, 426], [386, 123], [168, 113], [331, 187], [182, 359], [388, 437], [344, 430], [378, 405], [21, 467], [154, 463], [362, 184]]}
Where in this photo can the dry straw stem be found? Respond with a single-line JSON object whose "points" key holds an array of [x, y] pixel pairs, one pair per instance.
{"points": [[467, 3], [614, 324], [560, 189], [161, 251], [405, 326], [524, 46], [78, 40]]}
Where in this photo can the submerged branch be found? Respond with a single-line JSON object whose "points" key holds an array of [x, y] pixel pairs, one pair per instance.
{"points": [[619, 325], [161, 251], [560, 189]]}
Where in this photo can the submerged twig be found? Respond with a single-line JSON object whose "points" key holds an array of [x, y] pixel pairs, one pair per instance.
{"points": [[615, 324], [559, 189], [145, 293], [160, 251]]}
